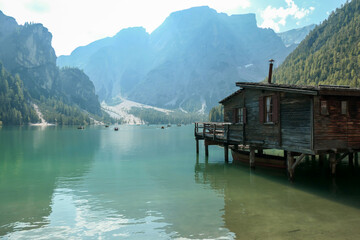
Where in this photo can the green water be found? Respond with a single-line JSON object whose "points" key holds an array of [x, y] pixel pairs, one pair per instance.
{"points": [[142, 182]]}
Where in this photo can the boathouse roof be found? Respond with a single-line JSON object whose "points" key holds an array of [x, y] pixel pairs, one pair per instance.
{"points": [[334, 90]]}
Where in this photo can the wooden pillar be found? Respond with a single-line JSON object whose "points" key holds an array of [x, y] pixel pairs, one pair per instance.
{"points": [[313, 158], [332, 160], [226, 153], [356, 159], [206, 148], [321, 160], [290, 163], [197, 146], [252, 157], [260, 151], [285, 153], [351, 159]]}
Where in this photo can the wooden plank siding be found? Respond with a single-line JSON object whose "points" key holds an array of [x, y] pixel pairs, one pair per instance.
{"points": [[292, 133], [297, 122], [337, 131]]}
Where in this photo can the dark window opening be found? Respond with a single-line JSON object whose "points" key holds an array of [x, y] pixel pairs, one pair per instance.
{"points": [[268, 109], [324, 107], [344, 107]]}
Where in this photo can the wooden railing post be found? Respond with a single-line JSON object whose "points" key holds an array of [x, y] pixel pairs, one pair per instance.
{"points": [[214, 131]]}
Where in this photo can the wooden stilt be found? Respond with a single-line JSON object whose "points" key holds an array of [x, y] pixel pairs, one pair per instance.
{"points": [[321, 160], [332, 160], [351, 159], [356, 159], [285, 153], [260, 151], [290, 163], [206, 148], [313, 158], [252, 157], [226, 153], [197, 146]]}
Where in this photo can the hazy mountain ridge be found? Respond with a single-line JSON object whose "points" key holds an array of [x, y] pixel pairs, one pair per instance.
{"points": [[190, 62], [295, 36], [26, 50]]}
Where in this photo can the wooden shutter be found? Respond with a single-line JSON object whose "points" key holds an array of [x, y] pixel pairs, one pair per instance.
{"points": [[276, 108], [234, 115], [261, 109], [244, 115]]}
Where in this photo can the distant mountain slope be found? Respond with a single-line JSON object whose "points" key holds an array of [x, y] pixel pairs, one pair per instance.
{"points": [[26, 50], [190, 62], [330, 54], [295, 36]]}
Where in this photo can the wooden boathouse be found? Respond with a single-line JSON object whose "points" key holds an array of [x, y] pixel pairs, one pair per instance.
{"points": [[300, 120]]}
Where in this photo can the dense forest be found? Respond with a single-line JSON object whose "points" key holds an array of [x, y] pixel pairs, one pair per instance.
{"points": [[14, 105], [330, 54]]}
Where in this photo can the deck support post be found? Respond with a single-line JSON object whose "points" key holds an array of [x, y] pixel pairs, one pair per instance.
{"points": [[321, 160], [226, 153], [332, 160], [356, 159], [290, 163], [351, 159], [206, 148], [252, 157], [197, 146]]}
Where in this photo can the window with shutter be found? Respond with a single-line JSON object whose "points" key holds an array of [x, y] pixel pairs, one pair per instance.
{"points": [[324, 107]]}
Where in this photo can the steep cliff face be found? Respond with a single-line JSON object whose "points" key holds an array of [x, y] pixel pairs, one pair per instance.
{"points": [[190, 62], [77, 87], [26, 50]]}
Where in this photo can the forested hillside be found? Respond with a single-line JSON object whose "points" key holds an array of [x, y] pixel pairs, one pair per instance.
{"points": [[13, 105], [330, 54], [30, 76]]}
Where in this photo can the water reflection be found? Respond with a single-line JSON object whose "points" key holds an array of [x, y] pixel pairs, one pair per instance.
{"points": [[31, 161], [262, 204]]}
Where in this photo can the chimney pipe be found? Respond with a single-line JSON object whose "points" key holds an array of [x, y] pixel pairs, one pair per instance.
{"points": [[270, 70]]}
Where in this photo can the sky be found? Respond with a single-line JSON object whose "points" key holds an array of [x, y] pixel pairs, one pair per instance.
{"points": [[75, 23]]}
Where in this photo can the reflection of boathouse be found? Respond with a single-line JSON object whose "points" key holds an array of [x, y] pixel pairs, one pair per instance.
{"points": [[300, 120]]}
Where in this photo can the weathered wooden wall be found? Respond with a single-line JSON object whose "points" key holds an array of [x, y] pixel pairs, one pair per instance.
{"points": [[337, 131], [292, 132], [296, 122]]}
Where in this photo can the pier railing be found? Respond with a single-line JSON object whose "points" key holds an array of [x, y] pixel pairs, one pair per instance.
{"points": [[212, 130]]}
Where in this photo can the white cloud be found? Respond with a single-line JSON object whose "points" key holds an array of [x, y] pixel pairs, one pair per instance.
{"points": [[75, 23], [274, 17]]}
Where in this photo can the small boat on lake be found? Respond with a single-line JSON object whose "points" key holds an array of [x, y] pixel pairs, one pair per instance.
{"points": [[81, 127], [162, 127], [116, 129], [106, 126]]}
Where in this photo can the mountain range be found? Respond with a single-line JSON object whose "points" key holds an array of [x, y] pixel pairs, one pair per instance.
{"points": [[189, 62], [62, 94]]}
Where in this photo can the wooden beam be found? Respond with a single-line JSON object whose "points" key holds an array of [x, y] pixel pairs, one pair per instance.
{"points": [[197, 146], [252, 157], [290, 162], [332, 160], [226, 153], [299, 160], [351, 159], [206, 148]]}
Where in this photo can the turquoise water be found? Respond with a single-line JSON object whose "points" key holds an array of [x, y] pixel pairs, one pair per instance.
{"points": [[142, 182]]}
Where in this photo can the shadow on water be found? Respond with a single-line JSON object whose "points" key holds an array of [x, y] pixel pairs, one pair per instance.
{"points": [[262, 203], [32, 159]]}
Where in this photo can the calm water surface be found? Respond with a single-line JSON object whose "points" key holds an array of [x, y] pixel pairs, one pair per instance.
{"points": [[146, 183]]}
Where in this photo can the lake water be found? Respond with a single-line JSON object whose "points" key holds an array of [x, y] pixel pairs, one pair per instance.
{"points": [[143, 182]]}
